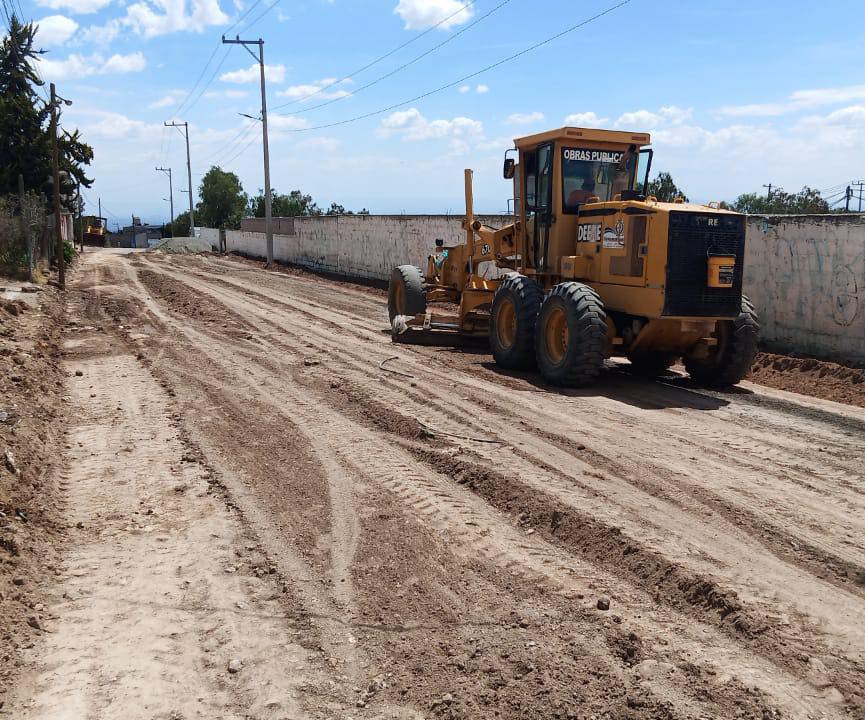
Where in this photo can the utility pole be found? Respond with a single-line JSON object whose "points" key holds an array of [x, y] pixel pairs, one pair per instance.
{"points": [[167, 171], [860, 184], [768, 191], [55, 171], [268, 196], [185, 127]]}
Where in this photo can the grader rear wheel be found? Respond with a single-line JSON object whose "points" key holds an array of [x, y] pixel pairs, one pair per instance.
{"points": [[571, 335], [512, 321], [731, 359], [406, 294]]}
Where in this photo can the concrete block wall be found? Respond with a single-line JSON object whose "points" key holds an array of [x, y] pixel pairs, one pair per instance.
{"points": [[806, 277], [805, 274], [364, 246]]}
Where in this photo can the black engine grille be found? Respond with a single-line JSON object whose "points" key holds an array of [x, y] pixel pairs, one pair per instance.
{"points": [[693, 237]]}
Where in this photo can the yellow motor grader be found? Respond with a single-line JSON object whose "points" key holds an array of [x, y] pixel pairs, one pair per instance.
{"points": [[591, 267]]}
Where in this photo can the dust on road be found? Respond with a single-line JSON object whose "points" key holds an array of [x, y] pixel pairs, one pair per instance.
{"points": [[460, 543]]}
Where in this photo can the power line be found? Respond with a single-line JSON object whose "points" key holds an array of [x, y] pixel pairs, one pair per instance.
{"points": [[240, 152], [366, 67], [183, 105], [266, 10], [470, 76], [402, 67]]}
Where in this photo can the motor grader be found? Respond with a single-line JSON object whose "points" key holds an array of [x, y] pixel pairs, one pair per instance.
{"points": [[591, 267]]}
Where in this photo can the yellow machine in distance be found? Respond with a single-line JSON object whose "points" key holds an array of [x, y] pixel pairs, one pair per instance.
{"points": [[591, 267]]}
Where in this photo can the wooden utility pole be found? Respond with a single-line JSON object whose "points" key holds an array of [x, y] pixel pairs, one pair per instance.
{"points": [[55, 170], [268, 194]]}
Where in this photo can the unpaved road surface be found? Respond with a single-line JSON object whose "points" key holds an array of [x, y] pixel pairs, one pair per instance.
{"points": [[271, 526]]}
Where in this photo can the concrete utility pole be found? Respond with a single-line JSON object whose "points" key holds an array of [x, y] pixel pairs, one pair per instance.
{"points": [[268, 195], [55, 171], [860, 184], [167, 171], [185, 127], [768, 191]]}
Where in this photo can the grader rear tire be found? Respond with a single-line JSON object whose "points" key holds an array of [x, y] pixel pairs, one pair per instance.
{"points": [[734, 354], [512, 322], [406, 294], [571, 335]]}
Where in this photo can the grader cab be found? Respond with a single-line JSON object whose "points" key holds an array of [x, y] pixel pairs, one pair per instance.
{"points": [[591, 267]]}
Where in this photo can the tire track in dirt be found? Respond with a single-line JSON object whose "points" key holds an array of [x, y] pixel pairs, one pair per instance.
{"points": [[817, 601]]}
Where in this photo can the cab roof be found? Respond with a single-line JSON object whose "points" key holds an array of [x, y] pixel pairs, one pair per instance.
{"points": [[616, 137]]}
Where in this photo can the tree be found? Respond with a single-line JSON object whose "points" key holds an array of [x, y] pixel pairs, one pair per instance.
{"points": [[179, 228], [337, 209], [25, 143], [295, 204], [222, 200], [664, 189], [805, 202]]}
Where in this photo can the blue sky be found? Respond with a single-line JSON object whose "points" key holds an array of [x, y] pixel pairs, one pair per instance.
{"points": [[735, 94]]}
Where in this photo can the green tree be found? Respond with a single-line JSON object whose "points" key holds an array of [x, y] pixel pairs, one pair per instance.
{"points": [[295, 204], [664, 189], [179, 228], [222, 200], [805, 202], [25, 142], [337, 209]]}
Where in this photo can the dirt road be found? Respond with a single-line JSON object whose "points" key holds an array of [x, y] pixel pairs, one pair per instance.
{"points": [[254, 490]]}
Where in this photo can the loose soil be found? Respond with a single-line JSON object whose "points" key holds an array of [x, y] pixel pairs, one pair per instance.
{"points": [[261, 522]]}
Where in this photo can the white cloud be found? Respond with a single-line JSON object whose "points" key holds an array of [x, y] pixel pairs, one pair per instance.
{"points": [[798, 100], [421, 14], [226, 94], [80, 7], [411, 125], [134, 62], [524, 118], [79, 66], [104, 125], [325, 89], [320, 144], [272, 73], [286, 122], [464, 89], [160, 17], [101, 35], [586, 119], [55, 30], [482, 89], [171, 98], [641, 120]]}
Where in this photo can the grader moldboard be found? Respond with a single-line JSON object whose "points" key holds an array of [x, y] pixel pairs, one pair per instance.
{"points": [[592, 267]]}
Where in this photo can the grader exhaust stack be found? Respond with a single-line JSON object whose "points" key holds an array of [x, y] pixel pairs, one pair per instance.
{"points": [[590, 267]]}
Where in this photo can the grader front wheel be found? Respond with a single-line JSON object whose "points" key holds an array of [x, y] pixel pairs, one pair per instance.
{"points": [[512, 322], [571, 335], [406, 294]]}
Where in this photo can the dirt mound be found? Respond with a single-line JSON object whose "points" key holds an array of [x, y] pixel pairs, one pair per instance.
{"points": [[31, 421], [809, 376], [184, 246]]}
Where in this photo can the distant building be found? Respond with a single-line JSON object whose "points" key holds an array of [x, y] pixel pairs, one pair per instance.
{"points": [[137, 235]]}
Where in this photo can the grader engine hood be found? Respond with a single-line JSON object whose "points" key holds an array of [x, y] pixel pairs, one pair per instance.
{"points": [[705, 262]]}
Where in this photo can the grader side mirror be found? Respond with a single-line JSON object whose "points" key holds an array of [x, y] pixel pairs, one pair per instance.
{"points": [[509, 168]]}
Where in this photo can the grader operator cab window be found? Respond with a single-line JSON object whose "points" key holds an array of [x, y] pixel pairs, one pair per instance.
{"points": [[589, 172]]}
